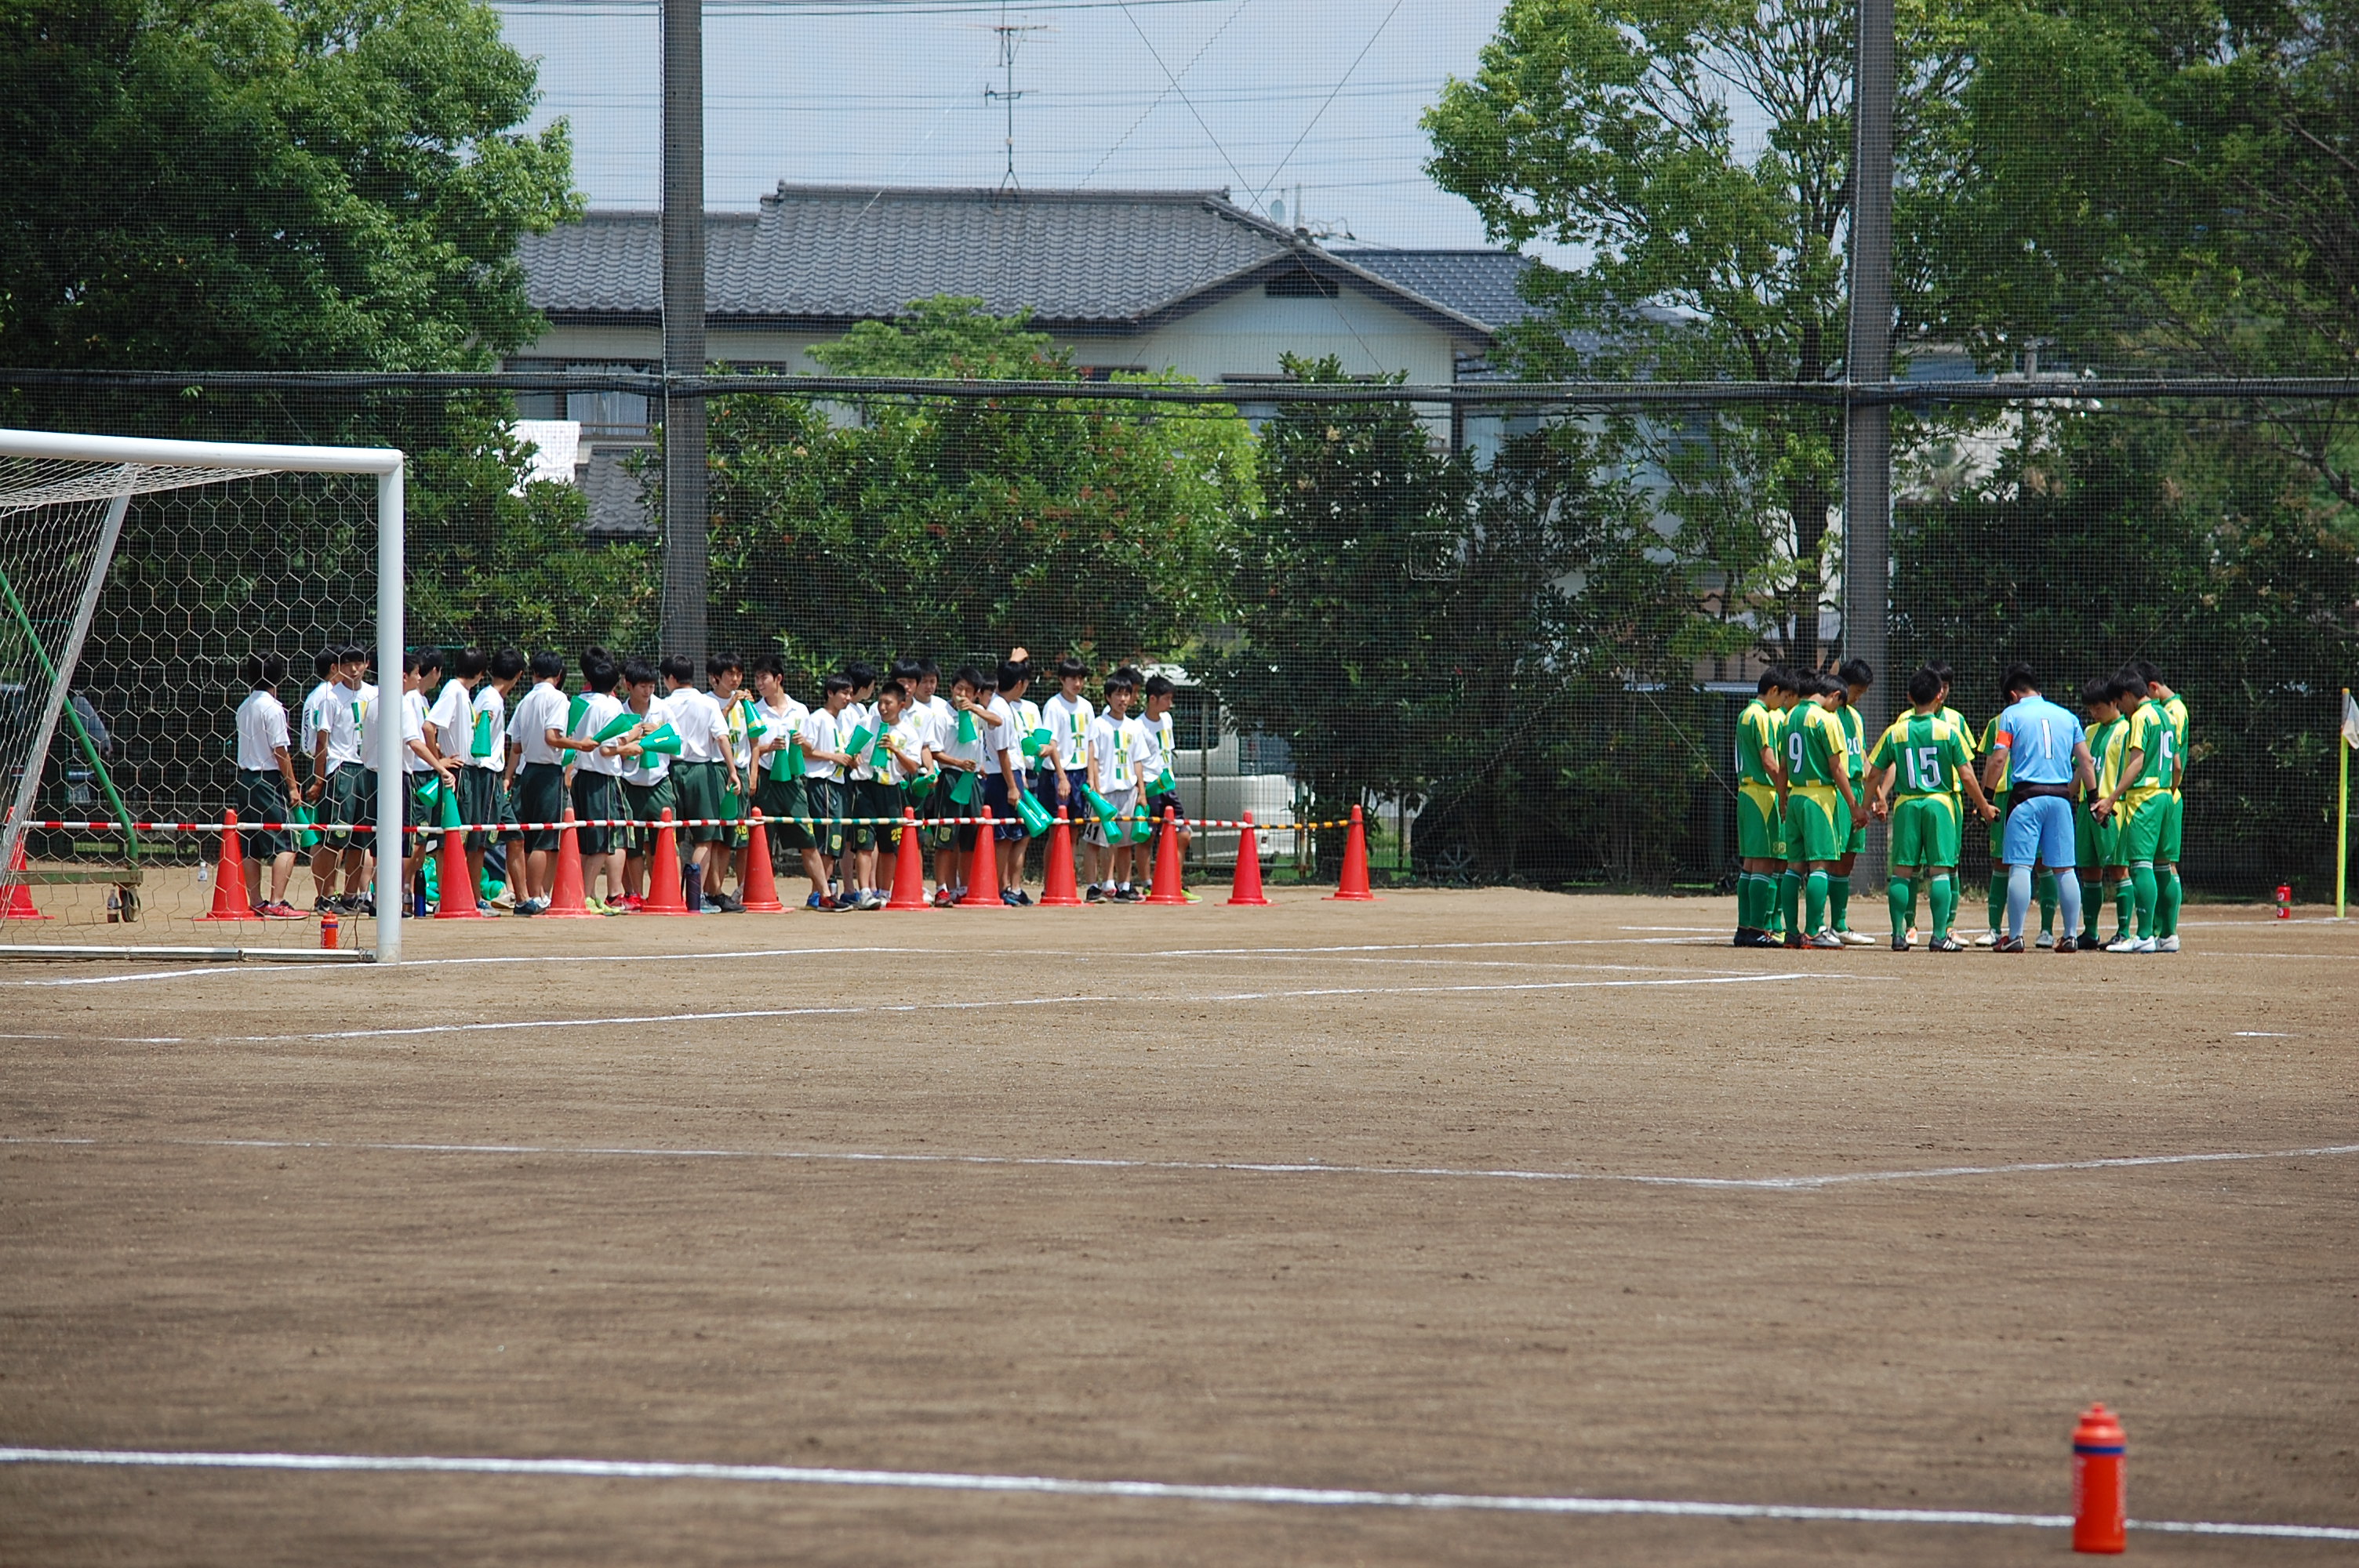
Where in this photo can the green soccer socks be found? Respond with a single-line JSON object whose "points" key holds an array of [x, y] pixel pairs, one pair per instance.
{"points": [[2093, 899], [1789, 900], [2166, 904], [1902, 896], [2045, 888], [1997, 897], [1839, 900], [2124, 907], [1945, 904], [1818, 897], [2143, 889]]}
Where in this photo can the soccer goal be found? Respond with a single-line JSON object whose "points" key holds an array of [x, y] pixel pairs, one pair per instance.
{"points": [[147, 586]]}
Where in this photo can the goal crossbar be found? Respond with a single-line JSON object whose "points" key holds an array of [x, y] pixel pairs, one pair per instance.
{"points": [[199, 462]]}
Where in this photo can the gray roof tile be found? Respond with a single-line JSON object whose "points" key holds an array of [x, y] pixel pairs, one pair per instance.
{"points": [[1480, 283]]}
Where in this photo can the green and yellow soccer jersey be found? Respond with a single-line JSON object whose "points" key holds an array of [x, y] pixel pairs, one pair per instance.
{"points": [[1814, 746], [1965, 731], [2177, 708], [1924, 751], [1759, 727], [2108, 744], [2005, 764], [1854, 729], [2152, 737]]}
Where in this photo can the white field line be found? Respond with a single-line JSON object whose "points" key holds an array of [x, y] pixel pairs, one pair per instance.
{"points": [[1246, 1167], [1149, 1491]]}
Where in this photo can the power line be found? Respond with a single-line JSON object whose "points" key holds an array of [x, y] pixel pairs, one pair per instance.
{"points": [[1330, 99]]}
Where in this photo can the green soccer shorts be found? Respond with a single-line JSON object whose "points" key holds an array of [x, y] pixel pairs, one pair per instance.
{"points": [[1760, 831], [479, 801], [2166, 852], [784, 806], [2098, 844], [346, 802], [597, 797], [1812, 832], [539, 796], [647, 802], [2143, 825], [698, 788], [1925, 830], [1998, 830]]}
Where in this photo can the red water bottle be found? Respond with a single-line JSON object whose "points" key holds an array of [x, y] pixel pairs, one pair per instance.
{"points": [[2100, 1483], [2285, 902], [329, 930]]}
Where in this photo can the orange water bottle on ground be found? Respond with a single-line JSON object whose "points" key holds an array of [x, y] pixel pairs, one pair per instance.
{"points": [[2100, 1484], [2285, 902]]}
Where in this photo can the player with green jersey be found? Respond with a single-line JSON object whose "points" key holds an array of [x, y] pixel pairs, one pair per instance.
{"points": [[1924, 760], [2141, 796], [2165, 864], [1820, 809], [1760, 806], [2099, 843], [1856, 676]]}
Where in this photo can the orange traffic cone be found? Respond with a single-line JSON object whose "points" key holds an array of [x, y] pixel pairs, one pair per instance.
{"points": [[1246, 887], [758, 890], [18, 902], [565, 894], [987, 849], [1166, 888], [908, 868], [1353, 888], [1057, 887], [458, 883], [667, 895], [230, 902]]}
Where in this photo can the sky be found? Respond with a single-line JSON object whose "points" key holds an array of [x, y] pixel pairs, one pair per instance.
{"points": [[1269, 94]]}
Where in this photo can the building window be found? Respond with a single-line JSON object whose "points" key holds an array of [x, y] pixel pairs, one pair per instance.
{"points": [[1301, 285]]}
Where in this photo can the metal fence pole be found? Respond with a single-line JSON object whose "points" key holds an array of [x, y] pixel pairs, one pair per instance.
{"points": [[682, 606], [1867, 456]]}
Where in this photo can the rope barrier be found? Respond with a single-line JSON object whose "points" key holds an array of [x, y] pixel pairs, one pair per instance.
{"points": [[115, 825]]}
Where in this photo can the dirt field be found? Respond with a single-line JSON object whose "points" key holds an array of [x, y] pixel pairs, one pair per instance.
{"points": [[643, 1238]]}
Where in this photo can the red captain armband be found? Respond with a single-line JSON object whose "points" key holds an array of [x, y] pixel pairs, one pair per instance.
{"points": [[2001, 738]]}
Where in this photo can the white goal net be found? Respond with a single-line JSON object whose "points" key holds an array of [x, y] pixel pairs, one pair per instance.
{"points": [[148, 590]]}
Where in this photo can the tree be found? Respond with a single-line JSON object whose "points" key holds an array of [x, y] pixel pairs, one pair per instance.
{"points": [[1699, 156], [233, 184], [953, 527]]}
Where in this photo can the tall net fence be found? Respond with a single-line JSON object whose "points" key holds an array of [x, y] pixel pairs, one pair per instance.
{"points": [[1516, 628]]}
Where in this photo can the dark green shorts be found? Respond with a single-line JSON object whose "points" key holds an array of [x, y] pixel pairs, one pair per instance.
{"points": [[784, 805], [261, 797], [479, 802], [597, 795], [540, 797], [347, 803], [878, 802], [698, 788], [647, 803], [823, 801]]}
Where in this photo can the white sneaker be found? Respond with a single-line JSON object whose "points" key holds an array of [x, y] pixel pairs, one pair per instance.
{"points": [[1857, 938], [1824, 939], [2122, 944], [2145, 944], [1912, 936], [2165, 944], [2046, 939], [1987, 939]]}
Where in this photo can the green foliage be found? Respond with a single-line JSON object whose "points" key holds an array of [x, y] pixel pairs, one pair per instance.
{"points": [[953, 527], [233, 184]]}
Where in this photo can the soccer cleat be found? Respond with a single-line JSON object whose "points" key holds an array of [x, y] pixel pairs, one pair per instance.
{"points": [[326, 905], [2166, 944], [2007, 945], [1900, 943], [1946, 945], [2145, 944], [941, 898], [1748, 937], [1912, 936], [364, 903], [1011, 898], [2124, 942], [1825, 940], [487, 909], [814, 900], [2068, 945], [1790, 940], [1857, 938], [528, 907], [2045, 939], [1987, 939], [1096, 895], [279, 909]]}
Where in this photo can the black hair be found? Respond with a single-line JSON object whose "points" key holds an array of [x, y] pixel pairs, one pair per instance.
{"points": [[1068, 666], [1132, 676], [429, 660], [264, 671], [1924, 686], [2132, 682], [769, 665], [894, 691], [2146, 672], [1120, 681], [351, 653], [2093, 692], [600, 675], [679, 667], [594, 654], [1941, 667], [1159, 686], [638, 672], [1014, 673], [508, 664], [834, 683], [969, 676], [322, 662], [927, 667], [721, 663], [546, 665], [2017, 680], [469, 664], [907, 670], [1856, 672], [1772, 680], [409, 661], [860, 672]]}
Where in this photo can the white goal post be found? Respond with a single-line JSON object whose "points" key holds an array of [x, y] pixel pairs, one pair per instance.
{"points": [[124, 466]]}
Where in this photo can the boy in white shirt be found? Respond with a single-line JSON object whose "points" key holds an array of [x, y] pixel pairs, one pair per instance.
{"points": [[864, 798], [647, 783], [1064, 764], [1115, 741], [418, 760], [265, 784], [598, 788], [697, 774], [1159, 786], [724, 674], [537, 777], [310, 741], [962, 755], [453, 731], [774, 748], [825, 763], [503, 856], [342, 800], [1003, 781]]}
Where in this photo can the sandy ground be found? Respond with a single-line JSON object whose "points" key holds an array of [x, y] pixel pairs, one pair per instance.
{"points": [[648, 1241]]}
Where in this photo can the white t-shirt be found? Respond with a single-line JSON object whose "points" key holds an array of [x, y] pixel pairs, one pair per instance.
{"points": [[315, 715], [949, 745], [1154, 750], [857, 716], [1069, 726], [703, 731], [1003, 737], [599, 710], [1116, 746], [413, 727], [537, 712], [339, 715], [491, 723], [778, 722], [823, 732], [647, 767], [1028, 719], [740, 744], [945, 719], [261, 725], [912, 734], [453, 717]]}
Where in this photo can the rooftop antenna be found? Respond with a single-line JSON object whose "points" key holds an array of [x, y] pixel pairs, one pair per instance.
{"points": [[1011, 37]]}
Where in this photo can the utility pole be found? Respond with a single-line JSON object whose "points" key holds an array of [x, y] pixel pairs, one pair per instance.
{"points": [[682, 628], [1011, 35], [1867, 433]]}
